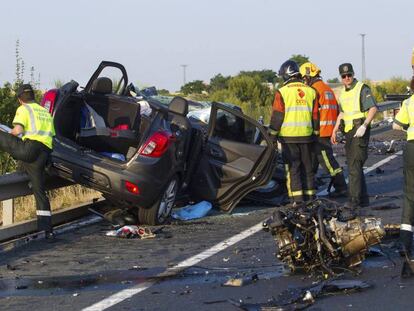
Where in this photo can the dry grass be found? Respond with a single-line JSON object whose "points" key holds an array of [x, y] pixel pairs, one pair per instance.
{"points": [[25, 207]]}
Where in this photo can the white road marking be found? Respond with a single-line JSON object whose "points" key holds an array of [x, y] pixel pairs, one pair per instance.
{"points": [[128, 293], [369, 169]]}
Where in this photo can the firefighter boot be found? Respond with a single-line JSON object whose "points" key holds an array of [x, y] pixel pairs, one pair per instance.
{"points": [[339, 183]]}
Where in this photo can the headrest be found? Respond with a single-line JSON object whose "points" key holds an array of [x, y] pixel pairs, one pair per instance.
{"points": [[179, 106], [102, 85]]}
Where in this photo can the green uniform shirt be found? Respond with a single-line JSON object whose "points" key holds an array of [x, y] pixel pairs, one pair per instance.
{"points": [[37, 123], [367, 100]]}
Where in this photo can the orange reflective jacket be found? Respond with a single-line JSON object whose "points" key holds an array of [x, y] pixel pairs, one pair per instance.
{"points": [[328, 108]]}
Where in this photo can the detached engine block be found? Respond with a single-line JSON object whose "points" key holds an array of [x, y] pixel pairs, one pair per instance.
{"points": [[319, 235]]}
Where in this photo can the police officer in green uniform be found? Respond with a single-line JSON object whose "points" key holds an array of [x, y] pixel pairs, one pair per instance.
{"points": [[405, 120], [357, 109], [35, 125]]}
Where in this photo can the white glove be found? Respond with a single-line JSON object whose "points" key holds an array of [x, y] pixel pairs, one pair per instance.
{"points": [[360, 131]]}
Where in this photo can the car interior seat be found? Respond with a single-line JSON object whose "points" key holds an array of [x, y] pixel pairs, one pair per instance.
{"points": [[114, 119], [102, 85], [180, 124]]}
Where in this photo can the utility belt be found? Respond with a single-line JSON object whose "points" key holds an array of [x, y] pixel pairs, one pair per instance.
{"points": [[358, 122], [355, 124]]}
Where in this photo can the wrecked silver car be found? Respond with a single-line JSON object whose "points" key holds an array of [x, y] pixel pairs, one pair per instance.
{"points": [[320, 235]]}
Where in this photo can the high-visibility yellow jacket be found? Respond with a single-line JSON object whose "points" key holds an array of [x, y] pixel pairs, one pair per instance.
{"points": [[350, 102], [295, 113], [405, 117], [328, 108], [37, 123]]}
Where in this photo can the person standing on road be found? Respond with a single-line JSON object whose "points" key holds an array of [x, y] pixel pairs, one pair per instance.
{"points": [[405, 120], [35, 124], [358, 108], [294, 120], [328, 113]]}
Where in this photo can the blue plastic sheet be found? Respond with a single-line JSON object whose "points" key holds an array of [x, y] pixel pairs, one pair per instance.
{"points": [[112, 155], [194, 211]]}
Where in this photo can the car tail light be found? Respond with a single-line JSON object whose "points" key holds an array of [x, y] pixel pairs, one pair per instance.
{"points": [[131, 187], [48, 100], [157, 144]]}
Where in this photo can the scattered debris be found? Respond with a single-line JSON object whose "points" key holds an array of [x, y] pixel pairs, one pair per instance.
{"points": [[187, 291], [320, 235], [298, 298], [214, 302], [241, 281], [132, 232], [10, 267], [138, 268], [386, 147], [378, 196], [385, 207], [374, 251], [21, 287], [193, 211]]}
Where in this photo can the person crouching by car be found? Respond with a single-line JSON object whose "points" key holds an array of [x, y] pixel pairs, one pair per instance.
{"points": [[35, 125]]}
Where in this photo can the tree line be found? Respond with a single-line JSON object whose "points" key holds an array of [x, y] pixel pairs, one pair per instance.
{"points": [[254, 90]]}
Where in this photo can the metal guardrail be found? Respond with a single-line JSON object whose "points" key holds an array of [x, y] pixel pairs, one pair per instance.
{"points": [[17, 184], [388, 105]]}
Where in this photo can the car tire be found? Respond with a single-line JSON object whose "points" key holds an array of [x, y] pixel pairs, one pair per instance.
{"points": [[160, 211]]}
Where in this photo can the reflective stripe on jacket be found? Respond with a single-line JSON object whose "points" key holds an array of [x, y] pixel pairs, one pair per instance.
{"points": [[328, 108], [406, 116], [299, 100], [350, 102], [37, 123]]}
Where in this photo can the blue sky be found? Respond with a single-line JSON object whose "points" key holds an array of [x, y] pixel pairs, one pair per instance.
{"points": [[67, 39]]}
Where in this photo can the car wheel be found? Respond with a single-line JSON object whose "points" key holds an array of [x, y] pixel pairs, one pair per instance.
{"points": [[160, 211]]}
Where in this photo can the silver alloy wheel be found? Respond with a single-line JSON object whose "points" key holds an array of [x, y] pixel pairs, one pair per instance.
{"points": [[167, 201]]}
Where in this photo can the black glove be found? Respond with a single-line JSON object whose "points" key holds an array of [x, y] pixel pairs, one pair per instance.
{"points": [[273, 136]]}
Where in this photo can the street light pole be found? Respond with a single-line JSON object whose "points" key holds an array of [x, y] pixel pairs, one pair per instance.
{"points": [[184, 68], [363, 75]]}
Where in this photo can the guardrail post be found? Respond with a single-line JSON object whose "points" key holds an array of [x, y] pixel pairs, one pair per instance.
{"points": [[8, 212]]}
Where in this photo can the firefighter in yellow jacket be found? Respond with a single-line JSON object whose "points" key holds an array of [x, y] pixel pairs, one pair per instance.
{"points": [[328, 113], [358, 108], [294, 121], [35, 126]]}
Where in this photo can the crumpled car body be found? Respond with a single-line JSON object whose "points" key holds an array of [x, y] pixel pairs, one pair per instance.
{"points": [[141, 153]]}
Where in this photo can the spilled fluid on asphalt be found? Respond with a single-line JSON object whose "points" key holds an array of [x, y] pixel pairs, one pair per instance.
{"points": [[121, 279]]}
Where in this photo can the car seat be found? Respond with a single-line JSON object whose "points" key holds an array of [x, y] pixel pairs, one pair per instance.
{"points": [[102, 86], [180, 125], [109, 122]]}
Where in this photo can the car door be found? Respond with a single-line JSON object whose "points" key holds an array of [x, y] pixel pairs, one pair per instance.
{"points": [[235, 159], [113, 70]]}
